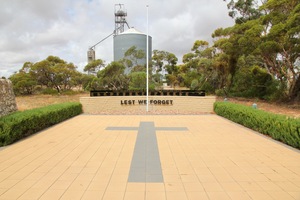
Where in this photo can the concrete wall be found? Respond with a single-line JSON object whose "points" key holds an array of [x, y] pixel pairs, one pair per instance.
{"points": [[158, 105], [7, 98]]}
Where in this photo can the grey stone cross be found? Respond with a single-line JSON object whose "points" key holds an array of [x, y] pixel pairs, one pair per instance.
{"points": [[145, 163]]}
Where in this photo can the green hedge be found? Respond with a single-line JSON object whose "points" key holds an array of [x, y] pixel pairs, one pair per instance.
{"points": [[279, 127], [21, 124]]}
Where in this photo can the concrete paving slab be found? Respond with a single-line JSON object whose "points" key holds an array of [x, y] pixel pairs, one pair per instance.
{"points": [[212, 158]]}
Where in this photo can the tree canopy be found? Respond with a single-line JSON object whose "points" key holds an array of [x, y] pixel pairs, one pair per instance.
{"points": [[257, 57]]}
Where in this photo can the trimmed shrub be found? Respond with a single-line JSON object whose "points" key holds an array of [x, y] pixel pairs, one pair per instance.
{"points": [[279, 127], [21, 124]]}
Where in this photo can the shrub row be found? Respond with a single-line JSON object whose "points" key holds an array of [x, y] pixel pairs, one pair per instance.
{"points": [[21, 124], [279, 127]]}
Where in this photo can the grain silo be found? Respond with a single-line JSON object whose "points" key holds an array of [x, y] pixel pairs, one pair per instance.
{"points": [[129, 38], [123, 40]]}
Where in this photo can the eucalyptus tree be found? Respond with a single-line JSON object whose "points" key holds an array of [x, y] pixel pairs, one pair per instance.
{"points": [[132, 57], [94, 66], [199, 64], [266, 35], [137, 80], [280, 47], [53, 72], [113, 77], [244, 10], [164, 60], [164, 65], [23, 82]]}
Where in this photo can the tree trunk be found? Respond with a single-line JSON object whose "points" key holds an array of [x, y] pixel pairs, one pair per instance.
{"points": [[294, 93], [57, 88]]}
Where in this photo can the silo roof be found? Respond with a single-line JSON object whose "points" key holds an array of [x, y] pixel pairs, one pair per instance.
{"points": [[132, 31]]}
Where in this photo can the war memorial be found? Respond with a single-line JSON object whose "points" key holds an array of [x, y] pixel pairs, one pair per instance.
{"points": [[178, 149], [160, 102], [148, 156], [145, 145]]}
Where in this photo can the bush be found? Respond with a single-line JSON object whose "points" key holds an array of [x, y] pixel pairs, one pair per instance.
{"points": [[21, 124], [50, 91], [254, 82], [279, 127]]}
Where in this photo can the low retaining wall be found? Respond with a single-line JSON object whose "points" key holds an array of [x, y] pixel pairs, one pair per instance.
{"points": [[157, 105]]}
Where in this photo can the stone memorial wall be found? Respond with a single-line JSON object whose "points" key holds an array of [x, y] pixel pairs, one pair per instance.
{"points": [[157, 104], [7, 98]]}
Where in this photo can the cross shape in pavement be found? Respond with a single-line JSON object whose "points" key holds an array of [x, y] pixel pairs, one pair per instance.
{"points": [[145, 163]]}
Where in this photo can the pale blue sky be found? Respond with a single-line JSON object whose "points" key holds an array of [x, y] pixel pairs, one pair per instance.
{"points": [[31, 30]]}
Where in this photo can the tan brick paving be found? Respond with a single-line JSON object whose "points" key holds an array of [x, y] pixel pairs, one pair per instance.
{"points": [[214, 159]]}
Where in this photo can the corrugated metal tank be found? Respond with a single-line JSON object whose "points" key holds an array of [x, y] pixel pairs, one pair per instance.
{"points": [[129, 38]]}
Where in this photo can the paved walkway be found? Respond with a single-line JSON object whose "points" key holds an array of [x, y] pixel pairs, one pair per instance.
{"points": [[178, 157]]}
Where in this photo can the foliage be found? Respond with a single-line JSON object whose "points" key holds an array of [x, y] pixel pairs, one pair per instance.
{"points": [[254, 82], [54, 72], [23, 83], [280, 48], [51, 73], [164, 63], [195, 84], [279, 127], [21, 124], [164, 60], [94, 66], [243, 10], [172, 80], [269, 34], [137, 81], [133, 56], [112, 77], [257, 57], [200, 69], [87, 81], [49, 91]]}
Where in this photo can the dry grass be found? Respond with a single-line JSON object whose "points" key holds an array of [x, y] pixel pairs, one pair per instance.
{"points": [[36, 101]]}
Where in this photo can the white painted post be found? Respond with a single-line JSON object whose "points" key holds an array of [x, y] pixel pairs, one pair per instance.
{"points": [[147, 62]]}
